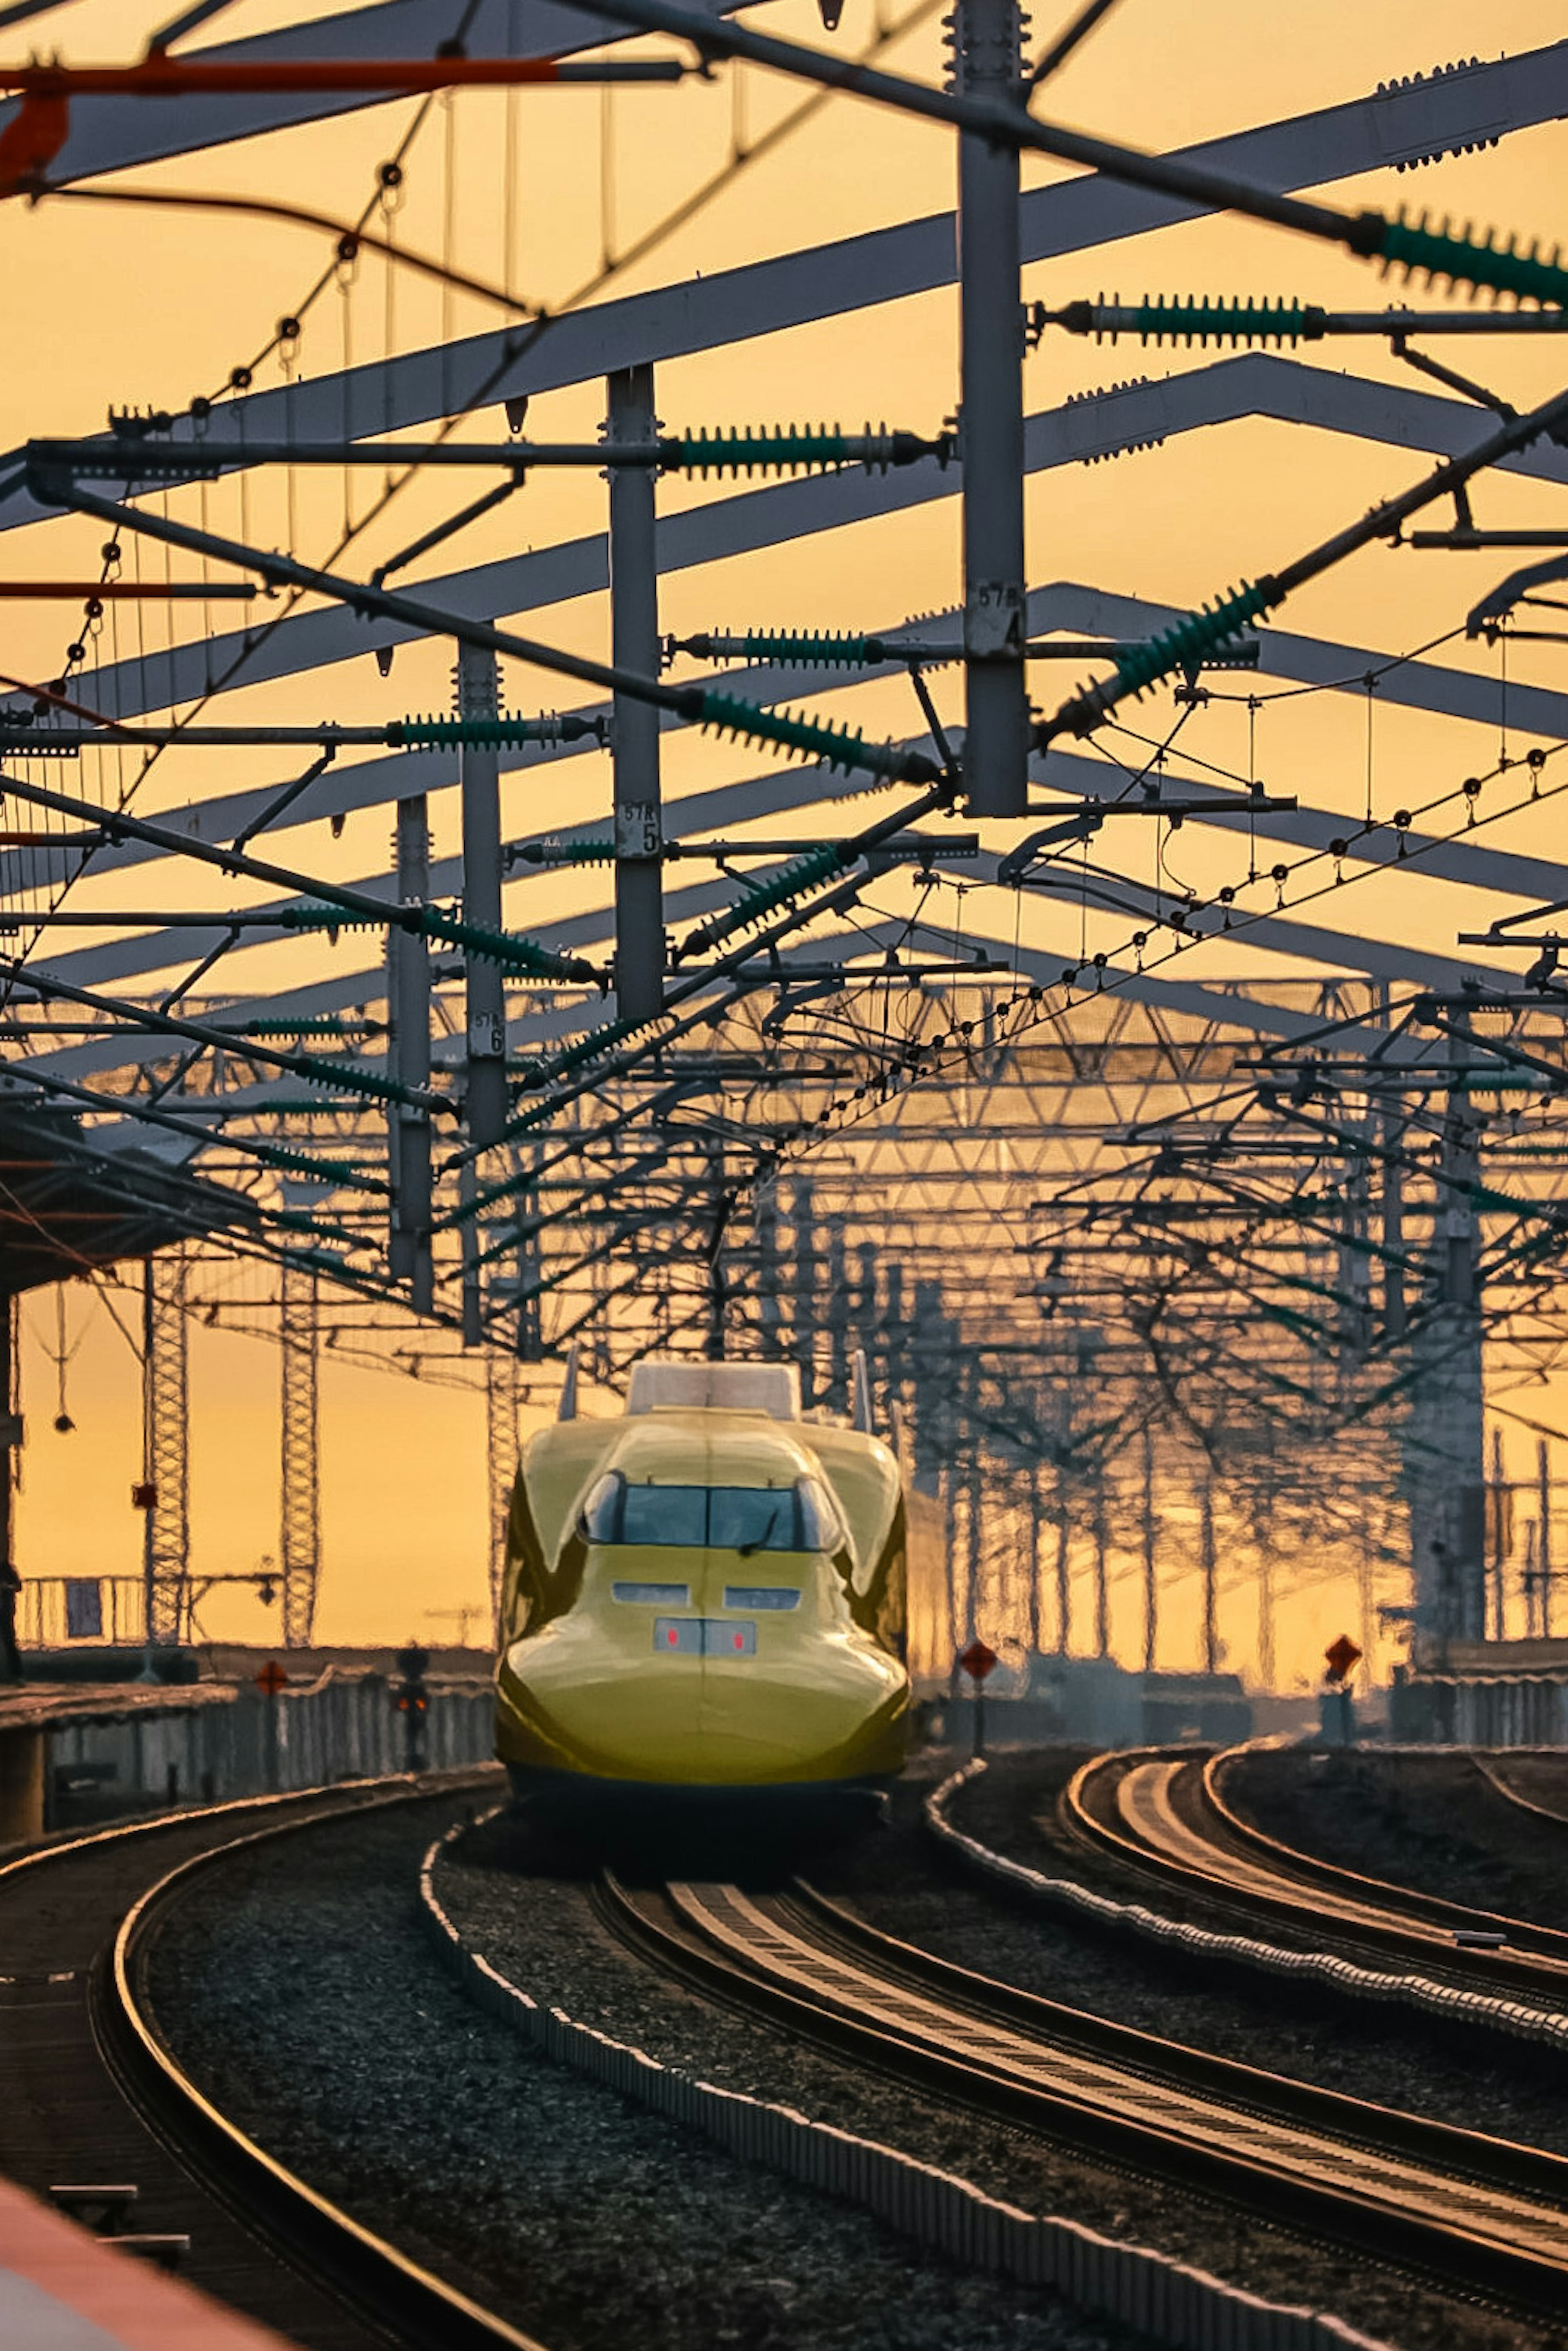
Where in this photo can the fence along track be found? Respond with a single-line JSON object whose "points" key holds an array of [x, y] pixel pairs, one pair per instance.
{"points": [[1171, 1812], [1167, 2300], [81, 2053]]}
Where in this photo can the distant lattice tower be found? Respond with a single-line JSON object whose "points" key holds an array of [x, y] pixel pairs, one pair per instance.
{"points": [[300, 1549], [502, 1388], [166, 1446]]}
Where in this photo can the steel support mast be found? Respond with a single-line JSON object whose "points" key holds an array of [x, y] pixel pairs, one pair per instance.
{"points": [[478, 697], [1444, 1435], [408, 1121], [165, 1455], [985, 38], [635, 645]]}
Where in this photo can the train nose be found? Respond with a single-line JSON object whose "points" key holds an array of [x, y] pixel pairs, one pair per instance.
{"points": [[705, 1709]]}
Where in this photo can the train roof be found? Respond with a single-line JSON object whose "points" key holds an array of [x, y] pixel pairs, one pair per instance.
{"points": [[662, 1384]]}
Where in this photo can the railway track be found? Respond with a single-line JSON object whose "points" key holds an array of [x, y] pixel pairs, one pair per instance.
{"points": [[1503, 1772], [1481, 2214], [91, 2093], [1166, 1818]]}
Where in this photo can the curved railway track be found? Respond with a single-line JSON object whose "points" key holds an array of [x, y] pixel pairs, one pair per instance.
{"points": [[1166, 1819], [1480, 2213], [1497, 1771], [91, 2093]]}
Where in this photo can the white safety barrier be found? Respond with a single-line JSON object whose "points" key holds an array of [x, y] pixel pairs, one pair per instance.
{"points": [[1512, 2017], [1164, 2299]]}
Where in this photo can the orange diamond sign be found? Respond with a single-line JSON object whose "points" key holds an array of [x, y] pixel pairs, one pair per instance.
{"points": [[1340, 1658], [978, 1660]]}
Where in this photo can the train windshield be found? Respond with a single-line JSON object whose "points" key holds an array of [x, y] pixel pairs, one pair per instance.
{"points": [[744, 1519]]}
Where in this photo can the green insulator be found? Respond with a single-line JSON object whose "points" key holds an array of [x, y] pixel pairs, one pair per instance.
{"points": [[586, 1049], [1460, 261], [325, 1024], [352, 1080], [819, 652], [1195, 319], [786, 449], [336, 1172], [507, 948], [762, 898], [565, 852], [441, 734], [815, 738], [331, 918], [1187, 640]]}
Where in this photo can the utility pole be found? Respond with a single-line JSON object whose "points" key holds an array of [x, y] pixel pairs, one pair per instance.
{"points": [[480, 770], [1446, 1472], [501, 1464], [1102, 1579], [1035, 1521], [1151, 1537], [985, 38], [1265, 1659], [1543, 1537], [10, 1581], [635, 645], [1396, 1320], [1354, 1282], [1498, 1518], [408, 998], [1063, 1570], [1211, 1593]]}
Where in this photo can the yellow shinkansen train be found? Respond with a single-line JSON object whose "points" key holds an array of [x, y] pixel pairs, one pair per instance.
{"points": [[705, 1595]]}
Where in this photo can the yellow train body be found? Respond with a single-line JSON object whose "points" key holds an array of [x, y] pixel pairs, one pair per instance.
{"points": [[704, 1595]]}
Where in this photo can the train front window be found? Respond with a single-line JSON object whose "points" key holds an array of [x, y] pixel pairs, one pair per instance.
{"points": [[749, 1518], [742, 1519], [663, 1514]]}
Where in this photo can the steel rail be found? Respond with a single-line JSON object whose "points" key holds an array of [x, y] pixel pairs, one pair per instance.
{"points": [[1126, 1805], [397, 2292], [1547, 1944], [1496, 1780], [1444, 2201], [89, 2081]]}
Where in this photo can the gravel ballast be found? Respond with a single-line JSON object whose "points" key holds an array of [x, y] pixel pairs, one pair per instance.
{"points": [[541, 1932], [299, 1988], [1390, 2056], [1434, 1823]]}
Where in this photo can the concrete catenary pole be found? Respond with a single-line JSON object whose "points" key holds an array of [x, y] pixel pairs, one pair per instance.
{"points": [[634, 635], [408, 991], [1210, 1576], [1444, 1437], [10, 1580], [985, 36], [478, 697], [1543, 1539]]}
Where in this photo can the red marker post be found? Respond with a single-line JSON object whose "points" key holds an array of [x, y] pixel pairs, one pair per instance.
{"points": [[979, 1662], [1339, 1658]]}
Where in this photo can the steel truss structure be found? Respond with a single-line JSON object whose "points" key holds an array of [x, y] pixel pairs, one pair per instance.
{"points": [[1165, 1259]]}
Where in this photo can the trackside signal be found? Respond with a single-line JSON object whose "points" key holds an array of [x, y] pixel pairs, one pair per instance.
{"points": [[412, 1700]]}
